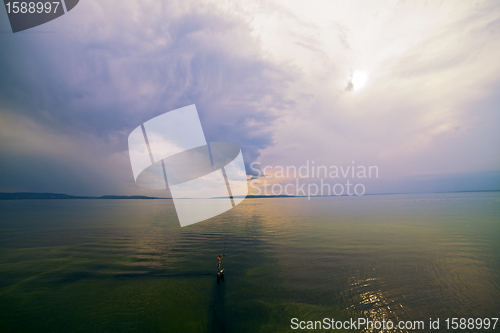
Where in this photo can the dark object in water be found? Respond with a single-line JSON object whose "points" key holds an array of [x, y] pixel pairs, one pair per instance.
{"points": [[220, 276]]}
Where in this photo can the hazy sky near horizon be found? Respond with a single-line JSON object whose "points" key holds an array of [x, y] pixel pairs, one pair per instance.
{"points": [[409, 86]]}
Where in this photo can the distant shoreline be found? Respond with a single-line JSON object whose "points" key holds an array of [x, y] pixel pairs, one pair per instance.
{"points": [[59, 196], [45, 196]]}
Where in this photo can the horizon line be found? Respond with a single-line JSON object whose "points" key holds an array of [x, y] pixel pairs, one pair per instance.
{"points": [[63, 196]]}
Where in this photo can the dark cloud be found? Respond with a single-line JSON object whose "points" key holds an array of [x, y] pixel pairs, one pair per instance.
{"points": [[105, 71], [72, 90], [349, 86]]}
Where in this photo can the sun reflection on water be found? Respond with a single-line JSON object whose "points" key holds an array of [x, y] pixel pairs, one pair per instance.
{"points": [[374, 306]]}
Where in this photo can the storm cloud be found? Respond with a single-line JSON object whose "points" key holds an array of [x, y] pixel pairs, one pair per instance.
{"points": [[86, 80], [279, 78]]}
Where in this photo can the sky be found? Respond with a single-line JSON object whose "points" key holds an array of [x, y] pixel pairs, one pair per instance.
{"points": [[411, 87]]}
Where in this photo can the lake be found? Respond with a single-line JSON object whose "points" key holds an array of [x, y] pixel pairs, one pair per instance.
{"points": [[127, 265]]}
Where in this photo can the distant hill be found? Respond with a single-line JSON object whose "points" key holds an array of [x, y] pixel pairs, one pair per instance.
{"points": [[43, 196], [250, 196]]}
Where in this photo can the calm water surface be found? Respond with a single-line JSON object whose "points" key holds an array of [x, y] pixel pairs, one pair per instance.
{"points": [[126, 265]]}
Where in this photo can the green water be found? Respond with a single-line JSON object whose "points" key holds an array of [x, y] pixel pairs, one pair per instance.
{"points": [[127, 266]]}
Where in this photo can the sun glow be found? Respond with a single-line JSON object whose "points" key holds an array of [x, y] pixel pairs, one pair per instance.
{"points": [[358, 80]]}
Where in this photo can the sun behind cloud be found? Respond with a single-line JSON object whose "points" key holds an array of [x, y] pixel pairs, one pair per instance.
{"points": [[358, 80]]}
